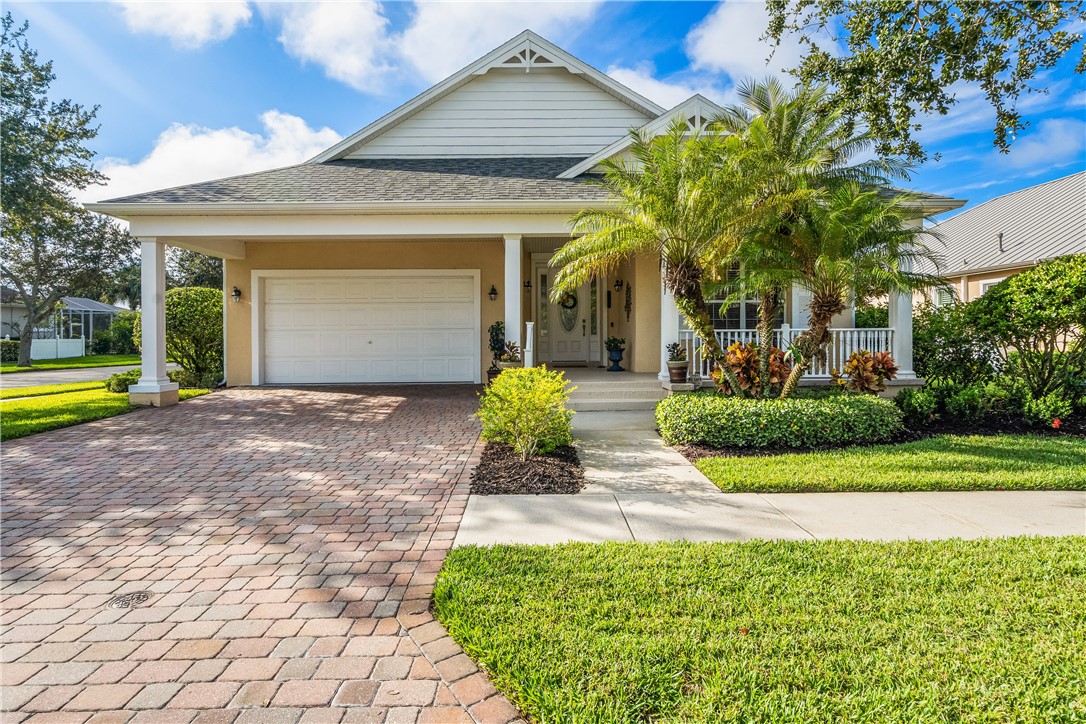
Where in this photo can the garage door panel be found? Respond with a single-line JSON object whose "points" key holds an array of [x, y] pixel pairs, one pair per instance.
{"points": [[402, 328]]}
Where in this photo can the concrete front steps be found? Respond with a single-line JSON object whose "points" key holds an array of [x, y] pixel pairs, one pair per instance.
{"points": [[623, 392]]}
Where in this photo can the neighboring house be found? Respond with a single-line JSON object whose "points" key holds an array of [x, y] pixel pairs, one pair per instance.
{"points": [[387, 257], [999, 238], [12, 313]]}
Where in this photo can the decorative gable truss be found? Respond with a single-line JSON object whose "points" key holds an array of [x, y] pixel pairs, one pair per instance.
{"points": [[558, 106], [696, 110]]}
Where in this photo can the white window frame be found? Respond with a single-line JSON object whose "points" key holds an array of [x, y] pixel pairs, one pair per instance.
{"points": [[988, 284]]}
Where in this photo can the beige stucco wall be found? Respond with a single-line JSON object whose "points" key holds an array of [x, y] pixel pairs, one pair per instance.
{"points": [[645, 355], [485, 255]]}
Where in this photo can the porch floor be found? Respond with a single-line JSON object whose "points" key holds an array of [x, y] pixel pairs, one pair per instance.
{"points": [[578, 375]]}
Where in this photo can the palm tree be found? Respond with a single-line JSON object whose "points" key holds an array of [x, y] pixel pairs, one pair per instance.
{"points": [[796, 143], [852, 243], [676, 200]]}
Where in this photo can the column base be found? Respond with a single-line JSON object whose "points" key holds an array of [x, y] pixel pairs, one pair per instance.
{"points": [[153, 395]]}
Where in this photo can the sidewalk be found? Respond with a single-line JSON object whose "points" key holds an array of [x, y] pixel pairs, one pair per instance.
{"points": [[640, 490]]}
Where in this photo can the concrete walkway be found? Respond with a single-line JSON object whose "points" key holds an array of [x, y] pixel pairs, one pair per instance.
{"points": [[640, 490]]}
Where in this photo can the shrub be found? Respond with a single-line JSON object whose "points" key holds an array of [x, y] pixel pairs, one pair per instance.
{"points": [[121, 381], [719, 422], [967, 404], [743, 360], [187, 380], [193, 331], [497, 341], [1047, 411], [876, 317], [948, 348], [1038, 316], [866, 372], [526, 408], [9, 350], [918, 406]]}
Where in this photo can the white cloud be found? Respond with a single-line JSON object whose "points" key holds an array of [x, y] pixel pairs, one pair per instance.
{"points": [[729, 40], [666, 93], [348, 39], [1055, 142], [188, 153], [188, 25], [443, 37]]}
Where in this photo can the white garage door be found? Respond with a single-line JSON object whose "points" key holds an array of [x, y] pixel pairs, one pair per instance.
{"points": [[409, 327]]}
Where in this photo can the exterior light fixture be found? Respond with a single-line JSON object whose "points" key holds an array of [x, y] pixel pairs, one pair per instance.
{"points": [[528, 285], [236, 294], [618, 285], [493, 293]]}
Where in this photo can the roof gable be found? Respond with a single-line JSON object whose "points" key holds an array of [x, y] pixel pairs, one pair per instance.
{"points": [[697, 110], [576, 98]]}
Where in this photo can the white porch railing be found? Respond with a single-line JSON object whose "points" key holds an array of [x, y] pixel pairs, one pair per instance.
{"points": [[844, 343]]}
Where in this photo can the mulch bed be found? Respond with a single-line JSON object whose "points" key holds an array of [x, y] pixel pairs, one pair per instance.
{"points": [[502, 472], [1070, 428]]}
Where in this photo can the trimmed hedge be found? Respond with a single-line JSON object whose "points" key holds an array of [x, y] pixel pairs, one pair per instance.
{"points": [[9, 350], [721, 422]]}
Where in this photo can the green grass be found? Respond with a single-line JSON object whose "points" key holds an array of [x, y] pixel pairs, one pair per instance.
{"points": [[71, 363], [842, 631], [41, 390], [19, 418], [945, 462]]}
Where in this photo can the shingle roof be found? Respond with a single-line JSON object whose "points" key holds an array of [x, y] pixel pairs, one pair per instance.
{"points": [[378, 180], [1041, 222]]}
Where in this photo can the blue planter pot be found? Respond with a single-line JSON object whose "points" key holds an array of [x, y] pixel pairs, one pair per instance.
{"points": [[615, 355]]}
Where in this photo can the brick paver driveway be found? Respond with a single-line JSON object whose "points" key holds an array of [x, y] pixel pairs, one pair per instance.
{"points": [[290, 538]]}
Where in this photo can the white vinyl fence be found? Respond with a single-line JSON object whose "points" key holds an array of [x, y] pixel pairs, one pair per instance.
{"points": [[57, 348], [845, 342]]}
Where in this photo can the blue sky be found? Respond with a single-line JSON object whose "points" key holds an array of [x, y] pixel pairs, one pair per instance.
{"points": [[191, 91]]}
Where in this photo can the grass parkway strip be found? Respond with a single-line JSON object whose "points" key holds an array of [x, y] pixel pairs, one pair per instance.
{"points": [[72, 363], [967, 631], [48, 411]]}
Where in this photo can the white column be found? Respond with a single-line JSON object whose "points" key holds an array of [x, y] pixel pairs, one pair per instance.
{"points": [[529, 344], [154, 386], [669, 327], [513, 259], [901, 321]]}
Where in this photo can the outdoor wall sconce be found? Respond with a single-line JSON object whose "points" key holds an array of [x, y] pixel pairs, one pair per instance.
{"points": [[528, 286], [618, 285], [493, 293], [236, 294]]}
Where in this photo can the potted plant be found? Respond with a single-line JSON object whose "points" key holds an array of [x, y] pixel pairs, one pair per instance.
{"points": [[676, 362], [510, 356], [615, 347], [497, 346]]}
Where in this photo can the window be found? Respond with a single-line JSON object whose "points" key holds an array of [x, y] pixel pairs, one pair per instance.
{"points": [[985, 286], [742, 314], [943, 297]]}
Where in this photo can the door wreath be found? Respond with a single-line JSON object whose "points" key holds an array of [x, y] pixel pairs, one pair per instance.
{"points": [[568, 301]]}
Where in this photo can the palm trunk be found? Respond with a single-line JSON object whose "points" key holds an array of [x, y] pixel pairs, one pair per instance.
{"points": [[696, 311], [767, 316], [824, 306]]}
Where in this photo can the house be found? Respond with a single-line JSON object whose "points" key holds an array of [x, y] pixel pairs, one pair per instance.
{"points": [[387, 257], [12, 313], [999, 238]]}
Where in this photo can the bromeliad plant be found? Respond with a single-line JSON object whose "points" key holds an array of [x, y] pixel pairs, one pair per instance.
{"points": [[510, 353], [676, 352], [866, 372]]}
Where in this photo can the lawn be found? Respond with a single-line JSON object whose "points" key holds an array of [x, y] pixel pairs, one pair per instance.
{"points": [[49, 411], [71, 363], [945, 462], [40, 390], [968, 631]]}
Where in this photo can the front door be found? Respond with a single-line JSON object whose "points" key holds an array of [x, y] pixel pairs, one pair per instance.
{"points": [[568, 328]]}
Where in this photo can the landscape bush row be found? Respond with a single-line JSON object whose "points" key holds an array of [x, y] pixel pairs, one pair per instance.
{"points": [[717, 421]]}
